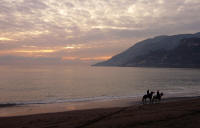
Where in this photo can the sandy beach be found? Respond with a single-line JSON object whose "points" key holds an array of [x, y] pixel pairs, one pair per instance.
{"points": [[173, 113]]}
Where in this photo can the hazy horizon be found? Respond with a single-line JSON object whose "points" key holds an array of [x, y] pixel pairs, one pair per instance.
{"points": [[83, 32]]}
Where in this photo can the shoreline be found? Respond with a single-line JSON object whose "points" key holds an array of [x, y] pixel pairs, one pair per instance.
{"points": [[173, 112], [12, 110]]}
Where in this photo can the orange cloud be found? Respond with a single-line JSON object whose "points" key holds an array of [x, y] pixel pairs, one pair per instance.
{"points": [[96, 58], [26, 52], [69, 58], [36, 51], [86, 58], [5, 39]]}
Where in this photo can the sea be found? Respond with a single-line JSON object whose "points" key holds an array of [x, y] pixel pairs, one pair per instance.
{"points": [[21, 85]]}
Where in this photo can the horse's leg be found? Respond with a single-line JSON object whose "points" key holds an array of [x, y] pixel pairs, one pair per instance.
{"points": [[159, 100], [149, 100], [143, 100]]}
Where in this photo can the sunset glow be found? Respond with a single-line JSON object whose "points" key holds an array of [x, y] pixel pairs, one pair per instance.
{"points": [[96, 58], [87, 58], [4, 39], [69, 47], [89, 30], [115, 63], [35, 51], [69, 58]]}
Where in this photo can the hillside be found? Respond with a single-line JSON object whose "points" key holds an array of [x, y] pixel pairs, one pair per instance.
{"points": [[162, 51]]}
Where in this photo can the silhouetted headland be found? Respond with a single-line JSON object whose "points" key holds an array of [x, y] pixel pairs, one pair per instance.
{"points": [[177, 51]]}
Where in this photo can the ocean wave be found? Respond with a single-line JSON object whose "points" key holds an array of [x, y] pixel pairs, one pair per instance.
{"points": [[52, 101], [93, 99], [7, 105]]}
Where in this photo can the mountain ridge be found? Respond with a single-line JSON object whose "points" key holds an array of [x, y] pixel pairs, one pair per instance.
{"points": [[143, 48]]}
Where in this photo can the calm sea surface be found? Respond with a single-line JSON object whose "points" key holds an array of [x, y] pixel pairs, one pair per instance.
{"points": [[51, 84]]}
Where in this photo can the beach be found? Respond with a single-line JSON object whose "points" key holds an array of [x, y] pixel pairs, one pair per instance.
{"points": [[172, 112]]}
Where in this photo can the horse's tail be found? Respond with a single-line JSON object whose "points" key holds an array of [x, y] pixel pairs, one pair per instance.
{"points": [[143, 99]]}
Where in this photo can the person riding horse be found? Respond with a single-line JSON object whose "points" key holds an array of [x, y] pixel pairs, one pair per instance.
{"points": [[157, 97], [148, 92], [148, 95]]}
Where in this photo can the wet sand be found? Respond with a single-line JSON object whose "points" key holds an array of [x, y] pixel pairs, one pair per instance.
{"points": [[173, 113]]}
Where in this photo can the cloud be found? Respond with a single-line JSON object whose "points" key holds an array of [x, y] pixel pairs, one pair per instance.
{"points": [[112, 25]]}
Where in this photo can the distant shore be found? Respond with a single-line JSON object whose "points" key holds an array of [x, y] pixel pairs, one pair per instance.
{"points": [[172, 112]]}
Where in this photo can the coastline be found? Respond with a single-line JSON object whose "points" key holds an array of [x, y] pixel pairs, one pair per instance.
{"points": [[12, 110], [122, 113]]}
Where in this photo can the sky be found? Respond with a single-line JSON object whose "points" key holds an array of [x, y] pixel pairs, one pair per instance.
{"points": [[87, 31]]}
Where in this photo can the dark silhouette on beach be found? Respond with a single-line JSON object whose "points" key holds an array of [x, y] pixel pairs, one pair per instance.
{"points": [[148, 92], [152, 98], [157, 97], [147, 96]]}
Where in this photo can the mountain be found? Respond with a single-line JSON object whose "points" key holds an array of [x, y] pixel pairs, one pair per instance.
{"points": [[163, 51]]}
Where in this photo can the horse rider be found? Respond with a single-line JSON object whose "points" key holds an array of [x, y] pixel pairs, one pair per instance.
{"points": [[158, 93], [148, 92]]}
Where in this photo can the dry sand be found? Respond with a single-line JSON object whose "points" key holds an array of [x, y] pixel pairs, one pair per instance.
{"points": [[176, 113]]}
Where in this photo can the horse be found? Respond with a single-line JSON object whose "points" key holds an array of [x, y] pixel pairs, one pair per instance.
{"points": [[149, 96], [157, 97]]}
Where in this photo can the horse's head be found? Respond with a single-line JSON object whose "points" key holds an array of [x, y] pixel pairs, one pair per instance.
{"points": [[161, 94]]}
